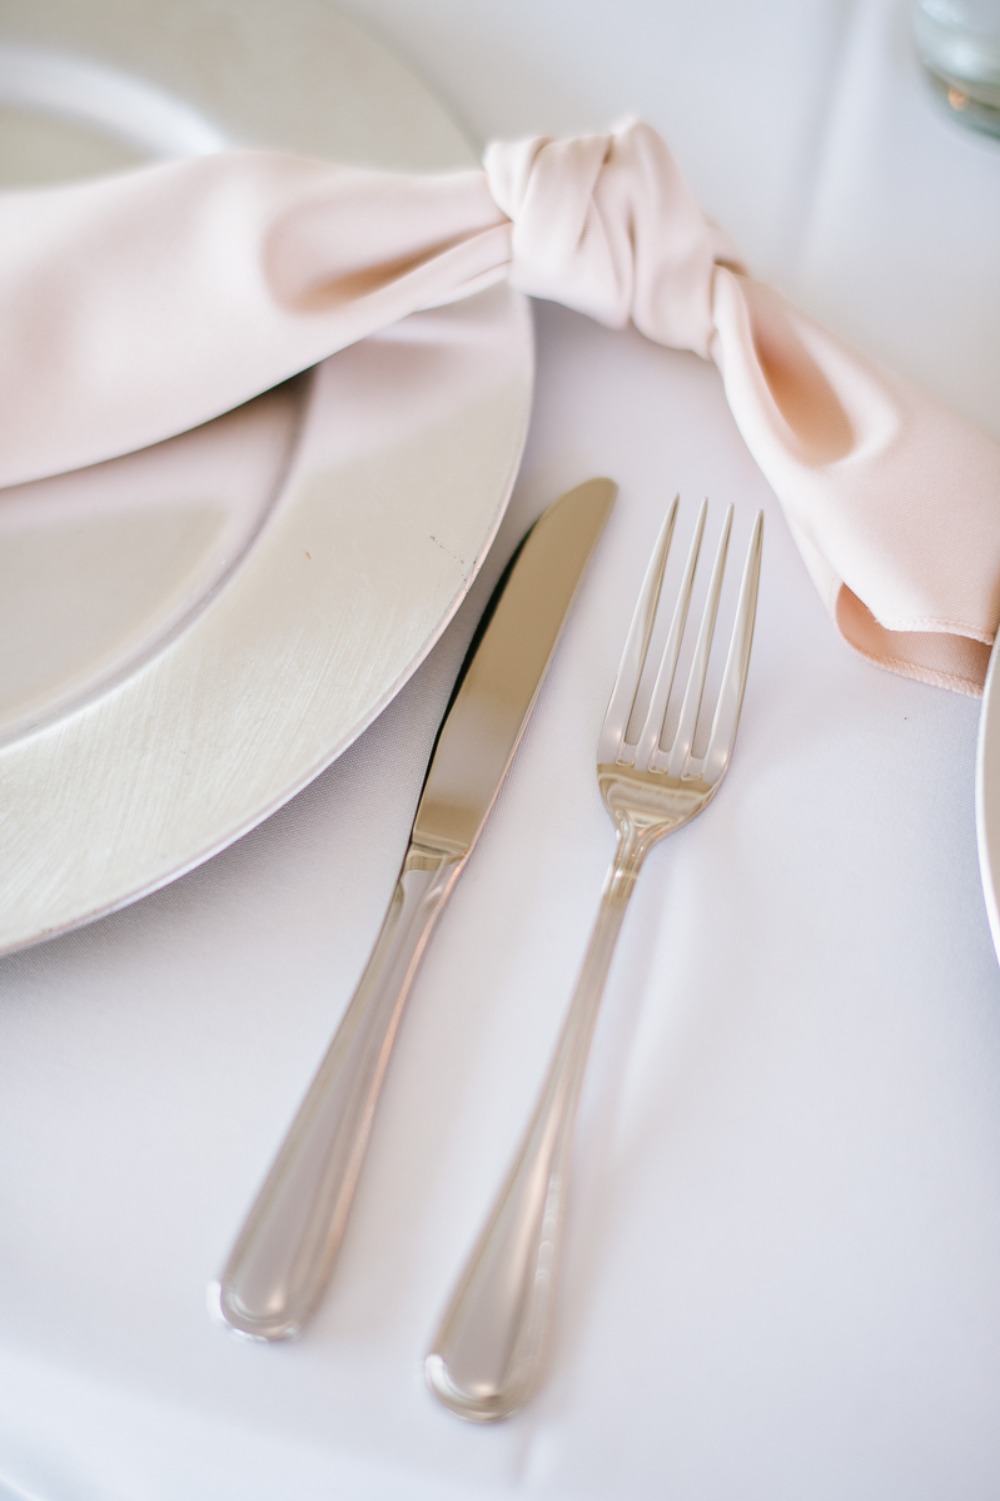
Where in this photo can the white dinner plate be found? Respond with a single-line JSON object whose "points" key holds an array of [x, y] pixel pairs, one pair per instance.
{"points": [[189, 634], [988, 794]]}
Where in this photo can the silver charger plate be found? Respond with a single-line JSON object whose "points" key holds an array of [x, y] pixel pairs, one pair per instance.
{"points": [[988, 795], [188, 635]]}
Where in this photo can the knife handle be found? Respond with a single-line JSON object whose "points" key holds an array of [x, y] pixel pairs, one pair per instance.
{"points": [[284, 1254]]}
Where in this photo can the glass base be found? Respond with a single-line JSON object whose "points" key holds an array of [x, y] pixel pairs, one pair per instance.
{"points": [[964, 105], [959, 45]]}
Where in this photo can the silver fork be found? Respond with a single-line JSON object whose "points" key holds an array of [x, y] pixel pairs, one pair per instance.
{"points": [[487, 1357]]}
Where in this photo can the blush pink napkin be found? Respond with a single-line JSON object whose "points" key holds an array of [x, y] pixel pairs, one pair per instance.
{"points": [[135, 307]]}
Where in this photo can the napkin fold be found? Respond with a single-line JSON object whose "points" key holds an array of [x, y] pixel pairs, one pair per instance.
{"points": [[137, 306]]}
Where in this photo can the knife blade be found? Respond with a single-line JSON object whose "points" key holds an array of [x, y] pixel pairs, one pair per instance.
{"points": [[283, 1257]]}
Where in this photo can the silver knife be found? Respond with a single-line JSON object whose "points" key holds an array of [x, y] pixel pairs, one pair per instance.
{"points": [[284, 1254]]}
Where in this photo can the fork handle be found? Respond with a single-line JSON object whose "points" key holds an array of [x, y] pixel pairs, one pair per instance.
{"points": [[283, 1257], [488, 1354]]}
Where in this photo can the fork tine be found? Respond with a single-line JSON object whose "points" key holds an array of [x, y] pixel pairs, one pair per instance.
{"points": [[611, 743], [649, 740], [676, 759], [727, 711]]}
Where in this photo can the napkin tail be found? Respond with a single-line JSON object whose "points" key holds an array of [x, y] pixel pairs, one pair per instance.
{"points": [[894, 500], [137, 306]]}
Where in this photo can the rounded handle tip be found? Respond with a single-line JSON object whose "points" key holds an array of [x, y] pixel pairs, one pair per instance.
{"points": [[268, 1327], [480, 1403]]}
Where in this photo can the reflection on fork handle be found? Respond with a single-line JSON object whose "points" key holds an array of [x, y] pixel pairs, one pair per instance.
{"points": [[284, 1255], [490, 1349]]}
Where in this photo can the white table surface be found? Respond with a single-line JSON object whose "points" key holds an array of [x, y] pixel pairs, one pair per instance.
{"points": [[783, 1270]]}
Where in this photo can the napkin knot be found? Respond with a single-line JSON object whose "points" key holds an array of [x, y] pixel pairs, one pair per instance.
{"points": [[606, 224]]}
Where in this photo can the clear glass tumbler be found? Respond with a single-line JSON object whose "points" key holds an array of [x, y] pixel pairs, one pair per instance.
{"points": [[959, 45]]}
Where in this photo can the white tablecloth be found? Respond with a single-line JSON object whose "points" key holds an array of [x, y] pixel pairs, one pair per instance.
{"points": [[783, 1270]]}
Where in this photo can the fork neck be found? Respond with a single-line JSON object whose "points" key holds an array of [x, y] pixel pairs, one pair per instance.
{"points": [[637, 827], [634, 844]]}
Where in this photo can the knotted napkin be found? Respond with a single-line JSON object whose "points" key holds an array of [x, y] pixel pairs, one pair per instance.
{"points": [[137, 306]]}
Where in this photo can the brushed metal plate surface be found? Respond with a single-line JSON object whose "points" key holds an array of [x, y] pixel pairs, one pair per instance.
{"points": [[190, 634]]}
